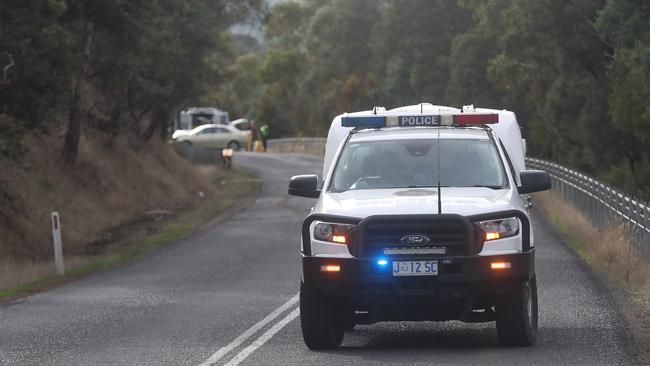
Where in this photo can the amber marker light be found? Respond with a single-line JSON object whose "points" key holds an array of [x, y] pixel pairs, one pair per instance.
{"points": [[492, 236], [330, 268], [500, 265], [339, 239]]}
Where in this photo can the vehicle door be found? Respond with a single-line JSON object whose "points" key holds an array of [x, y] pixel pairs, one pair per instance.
{"points": [[205, 138], [221, 137]]}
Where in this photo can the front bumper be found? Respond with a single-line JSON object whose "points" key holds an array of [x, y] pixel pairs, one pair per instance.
{"points": [[462, 285]]}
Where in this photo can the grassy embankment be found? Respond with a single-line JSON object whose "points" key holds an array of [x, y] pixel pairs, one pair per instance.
{"points": [[235, 186], [614, 257], [121, 199]]}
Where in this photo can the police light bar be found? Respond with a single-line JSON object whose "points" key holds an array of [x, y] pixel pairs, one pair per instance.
{"points": [[462, 119]]}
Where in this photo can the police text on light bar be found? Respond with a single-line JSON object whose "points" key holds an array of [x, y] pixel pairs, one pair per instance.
{"points": [[463, 119]]}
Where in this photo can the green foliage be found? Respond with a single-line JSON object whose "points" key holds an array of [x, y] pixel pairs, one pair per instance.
{"points": [[418, 65], [577, 72], [287, 24], [128, 57], [282, 67], [626, 27], [35, 52]]}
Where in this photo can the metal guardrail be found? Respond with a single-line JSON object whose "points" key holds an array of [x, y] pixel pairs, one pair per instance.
{"points": [[313, 145], [293, 140], [600, 203]]}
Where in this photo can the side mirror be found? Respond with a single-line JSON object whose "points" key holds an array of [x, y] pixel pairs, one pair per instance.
{"points": [[534, 181], [304, 186]]}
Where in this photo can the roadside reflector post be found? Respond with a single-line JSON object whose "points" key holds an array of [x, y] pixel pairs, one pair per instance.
{"points": [[58, 247], [226, 158]]}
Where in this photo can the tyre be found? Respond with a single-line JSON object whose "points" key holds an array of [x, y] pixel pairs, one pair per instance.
{"points": [[517, 315], [185, 149], [348, 326], [317, 320], [234, 145]]}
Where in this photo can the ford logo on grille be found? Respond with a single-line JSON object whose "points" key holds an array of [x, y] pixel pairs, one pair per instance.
{"points": [[415, 239]]}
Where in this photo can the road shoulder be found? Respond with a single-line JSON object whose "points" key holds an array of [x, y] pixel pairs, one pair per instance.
{"points": [[630, 299]]}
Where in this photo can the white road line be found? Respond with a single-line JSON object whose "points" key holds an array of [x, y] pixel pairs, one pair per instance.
{"points": [[241, 356], [247, 334]]}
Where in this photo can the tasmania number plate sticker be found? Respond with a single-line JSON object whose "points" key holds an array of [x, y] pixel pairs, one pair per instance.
{"points": [[415, 268]]}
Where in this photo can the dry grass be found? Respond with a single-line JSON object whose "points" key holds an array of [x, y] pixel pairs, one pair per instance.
{"points": [[608, 248], [111, 184], [610, 251], [134, 239], [13, 273]]}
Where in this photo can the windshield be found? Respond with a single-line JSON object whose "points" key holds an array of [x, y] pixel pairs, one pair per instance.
{"points": [[413, 163]]}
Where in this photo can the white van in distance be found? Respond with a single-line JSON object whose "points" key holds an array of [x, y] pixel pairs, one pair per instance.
{"points": [[421, 215]]}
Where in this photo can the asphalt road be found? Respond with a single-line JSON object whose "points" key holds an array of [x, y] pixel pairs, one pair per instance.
{"points": [[228, 295]]}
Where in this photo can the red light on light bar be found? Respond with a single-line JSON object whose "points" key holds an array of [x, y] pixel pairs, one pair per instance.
{"points": [[476, 119]]}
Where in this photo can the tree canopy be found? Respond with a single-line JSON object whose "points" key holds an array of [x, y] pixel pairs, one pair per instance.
{"points": [[107, 63], [576, 72]]}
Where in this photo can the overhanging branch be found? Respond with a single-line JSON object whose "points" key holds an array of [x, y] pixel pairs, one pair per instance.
{"points": [[5, 71]]}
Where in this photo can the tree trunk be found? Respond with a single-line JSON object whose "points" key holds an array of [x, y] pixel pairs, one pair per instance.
{"points": [[73, 132], [158, 120]]}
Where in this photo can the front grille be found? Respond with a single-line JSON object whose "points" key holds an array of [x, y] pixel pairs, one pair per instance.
{"points": [[452, 232]]}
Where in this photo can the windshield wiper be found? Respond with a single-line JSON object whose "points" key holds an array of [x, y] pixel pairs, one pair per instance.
{"points": [[488, 186]]}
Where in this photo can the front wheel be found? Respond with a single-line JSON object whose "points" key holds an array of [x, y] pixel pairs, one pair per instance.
{"points": [[517, 315], [234, 145], [317, 320]]}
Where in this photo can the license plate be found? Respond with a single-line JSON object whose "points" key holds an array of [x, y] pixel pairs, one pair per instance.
{"points": [[415, 268]]}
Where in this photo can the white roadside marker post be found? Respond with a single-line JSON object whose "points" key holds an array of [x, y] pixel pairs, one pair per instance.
{"points": [[58, 247]]}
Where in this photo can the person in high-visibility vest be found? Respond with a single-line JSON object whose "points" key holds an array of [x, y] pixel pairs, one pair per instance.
{"points": [[264, 133]]}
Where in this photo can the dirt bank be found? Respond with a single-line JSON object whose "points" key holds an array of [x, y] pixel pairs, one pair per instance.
{"points": [[116, 181]]}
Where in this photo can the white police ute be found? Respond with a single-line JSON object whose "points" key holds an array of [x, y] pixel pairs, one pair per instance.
{"points": [[422, 215]]}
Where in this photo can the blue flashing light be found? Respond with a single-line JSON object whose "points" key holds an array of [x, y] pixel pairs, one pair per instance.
{"points": [[364, 122], [382, 262]]}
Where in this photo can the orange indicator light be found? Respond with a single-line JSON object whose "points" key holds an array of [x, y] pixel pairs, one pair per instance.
{"points": [[501, 265], [330, 268], [339, 239], [492, 236]]}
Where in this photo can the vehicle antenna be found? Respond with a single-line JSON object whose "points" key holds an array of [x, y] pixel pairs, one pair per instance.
{"points": [[439, 190]]}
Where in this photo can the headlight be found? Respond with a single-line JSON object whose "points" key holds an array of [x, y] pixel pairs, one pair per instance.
{"points": [[333, 233], [499, 229]]}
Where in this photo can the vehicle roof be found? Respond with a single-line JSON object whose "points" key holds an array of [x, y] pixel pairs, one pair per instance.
{"points": [[408, 133], [507, 130], [203, 110]]}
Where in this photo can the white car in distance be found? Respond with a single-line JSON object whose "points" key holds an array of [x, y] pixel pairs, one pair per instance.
{"points": [[212, 136]]}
